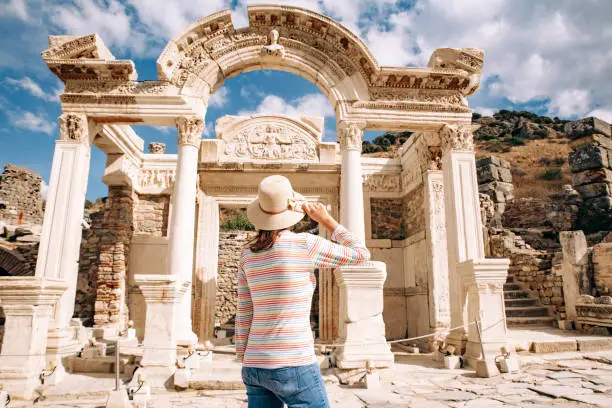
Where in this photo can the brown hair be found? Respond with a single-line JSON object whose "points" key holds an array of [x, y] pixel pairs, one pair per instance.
{"points": [[264, 240]]}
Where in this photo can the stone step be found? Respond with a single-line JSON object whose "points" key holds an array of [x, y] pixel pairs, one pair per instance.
{"points": [[527, 311], [521, 302], [512, 286], [517, 321], [515, 294]]}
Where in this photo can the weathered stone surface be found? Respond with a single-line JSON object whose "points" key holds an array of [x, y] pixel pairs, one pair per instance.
{"points": [[596, 139], [414, 211], [586, 127], [602, 266], [556, 347], [600, 175], [587, 158], [20, 197], [586, 345], [387, 218], [594, 190]]}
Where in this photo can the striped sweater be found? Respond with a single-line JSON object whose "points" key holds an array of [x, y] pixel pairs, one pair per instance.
{"points": [[275, 289]]}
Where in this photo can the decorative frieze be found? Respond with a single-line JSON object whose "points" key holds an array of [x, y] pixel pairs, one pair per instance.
{"points": [[190, 130], [158, 178], [382, 182], [73, 127], [457, 137]]}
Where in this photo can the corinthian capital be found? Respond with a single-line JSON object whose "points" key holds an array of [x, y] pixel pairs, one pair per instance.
{"points": [[190, 130], [351, 135], [73, 127], [457, 137]]}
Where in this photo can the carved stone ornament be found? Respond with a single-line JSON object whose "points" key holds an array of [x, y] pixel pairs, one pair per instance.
{"points": [[351, 136], [157, 148], [456, 137], [158, 178], [274, 49], [382, 182], [271, 142], [73, 127], [430, 158], [190, 130]]}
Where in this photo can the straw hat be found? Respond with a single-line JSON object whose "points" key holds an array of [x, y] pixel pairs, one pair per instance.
{"points": [[277, 206]]}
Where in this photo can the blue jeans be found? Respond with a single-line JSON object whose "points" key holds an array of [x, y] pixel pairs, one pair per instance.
{"points": [[298, 387]]}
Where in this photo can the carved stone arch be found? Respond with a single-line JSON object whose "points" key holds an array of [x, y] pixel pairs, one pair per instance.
{"points": [[310, 45], [12, 264]]}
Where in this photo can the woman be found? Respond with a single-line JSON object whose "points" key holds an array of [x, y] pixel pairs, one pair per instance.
{"points": [[275, 286]]}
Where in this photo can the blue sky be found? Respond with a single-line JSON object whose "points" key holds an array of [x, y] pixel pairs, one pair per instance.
{"points": [[548, 56]]}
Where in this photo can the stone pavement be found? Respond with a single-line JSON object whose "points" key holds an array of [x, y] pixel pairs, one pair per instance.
{"points": [[563, 379]]}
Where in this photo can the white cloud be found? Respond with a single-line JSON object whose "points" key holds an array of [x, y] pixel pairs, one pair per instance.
{"points": [[17, 8], [27, 84], [602, 113], [485, 111], [32, 122], [208, 130], [219, 98], [572, 102], [310, 104], [44, 188]]}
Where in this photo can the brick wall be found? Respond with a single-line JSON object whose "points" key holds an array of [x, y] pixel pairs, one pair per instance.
{"points": [[151, 214], [20, 196], [387, 218]]}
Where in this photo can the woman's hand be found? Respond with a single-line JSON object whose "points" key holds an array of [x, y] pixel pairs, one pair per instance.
{"points": [[318, 213]]}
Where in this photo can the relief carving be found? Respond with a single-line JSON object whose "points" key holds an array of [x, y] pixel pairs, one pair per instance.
{"points": [[274, 49], [190, 130], [270, 142], [457, 137], [73, 127], [159, 178], [381, 182]]}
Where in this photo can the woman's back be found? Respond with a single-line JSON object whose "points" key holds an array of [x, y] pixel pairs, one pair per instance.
{"points": [[275, 288]]}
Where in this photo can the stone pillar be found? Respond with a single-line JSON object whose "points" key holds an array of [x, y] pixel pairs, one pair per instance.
{"points": [[574, 269], [361, 330], [163, 295], [437, 258], [207, 254], [351, 183], [58, 253], [182, 221], [591, 165], [463, 219], [28, 304], [484, 280]]}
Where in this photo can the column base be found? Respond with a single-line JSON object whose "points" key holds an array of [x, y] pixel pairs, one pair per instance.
{"points": [[155, 377], [62, 346], [362, 329], [20, 386]]}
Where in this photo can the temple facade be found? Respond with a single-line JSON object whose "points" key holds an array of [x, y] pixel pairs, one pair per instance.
{"points": [[418, 213]]}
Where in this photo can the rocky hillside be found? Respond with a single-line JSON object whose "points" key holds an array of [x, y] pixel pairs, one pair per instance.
{"points": [[536, 146]]}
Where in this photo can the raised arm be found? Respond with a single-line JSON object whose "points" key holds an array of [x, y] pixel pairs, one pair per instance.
{"points": [[244, 314], [349, 250]]}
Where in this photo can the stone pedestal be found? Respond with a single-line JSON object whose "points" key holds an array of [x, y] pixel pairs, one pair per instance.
{"points": [[484, 280], [573, 269], [362, 329], [182, 224], [28, 303], [162, 294]]}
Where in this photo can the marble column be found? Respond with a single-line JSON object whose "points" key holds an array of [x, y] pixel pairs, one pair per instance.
{"points": [[182, 222], [163, 295], [207, 255], [351, 184], [463, 219], [28, 304], [58, 253]]}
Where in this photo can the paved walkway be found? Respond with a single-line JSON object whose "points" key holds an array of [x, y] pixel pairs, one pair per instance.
{"points": [[561, 379]]}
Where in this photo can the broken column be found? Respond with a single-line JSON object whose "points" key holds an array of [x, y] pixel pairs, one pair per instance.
{"points": [[591, 165], [574, 270]]}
